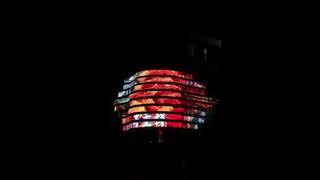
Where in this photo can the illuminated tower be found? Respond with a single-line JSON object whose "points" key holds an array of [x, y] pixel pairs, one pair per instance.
{"points": [[161, 99]]}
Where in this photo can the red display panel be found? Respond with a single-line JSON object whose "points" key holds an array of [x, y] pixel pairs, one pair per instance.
{"points": [[160, 72], [161, 86], [163, 101], [164, 93], [170, 80], [164, 79], [163, 109], [127, 99], [169, 101]]}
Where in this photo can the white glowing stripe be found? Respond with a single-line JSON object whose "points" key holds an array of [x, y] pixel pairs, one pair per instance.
{"points": [[190, 83], [135, 125], [160, 116], [193, 83], [200, 120], [127, 86], [122, 100], [137, 116], [155, 124], [160, 124], [124, 93], [147, 124], [130, 78], [148, 116]]}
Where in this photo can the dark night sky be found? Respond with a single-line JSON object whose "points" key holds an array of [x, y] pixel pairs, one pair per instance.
{"points": [[87, 62], [93, 61]]}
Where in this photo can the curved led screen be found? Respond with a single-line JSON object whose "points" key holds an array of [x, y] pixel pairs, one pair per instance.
{"points": [[158, 73], [163, 101], [162, 116], [162, 98], [160, 124]]}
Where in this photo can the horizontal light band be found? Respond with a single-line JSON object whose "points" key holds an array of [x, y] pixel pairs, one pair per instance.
{"points": [[158, 72], [162, 116], [146, 124]]}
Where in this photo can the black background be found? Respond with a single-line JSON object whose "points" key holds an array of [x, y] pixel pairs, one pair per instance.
{"points": [[84, 62]]}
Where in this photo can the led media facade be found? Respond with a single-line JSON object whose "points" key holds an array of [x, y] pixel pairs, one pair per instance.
{"points": [[162, 98]]}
